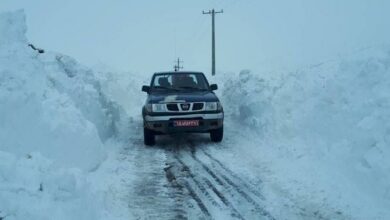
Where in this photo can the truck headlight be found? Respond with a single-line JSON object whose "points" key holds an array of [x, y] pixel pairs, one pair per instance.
{"points": [[158, 108], [148, 107], [213, 106]]}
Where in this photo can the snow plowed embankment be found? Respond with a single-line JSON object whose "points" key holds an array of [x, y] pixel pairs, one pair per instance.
{"points": [[50, 103], [325, 129], [54, 118]]}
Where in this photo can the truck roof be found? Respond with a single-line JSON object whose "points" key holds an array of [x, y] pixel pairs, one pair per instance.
{"points": [[179, 72]]}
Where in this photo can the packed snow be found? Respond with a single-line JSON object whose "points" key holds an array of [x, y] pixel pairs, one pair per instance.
{"points": [[320, 134]]}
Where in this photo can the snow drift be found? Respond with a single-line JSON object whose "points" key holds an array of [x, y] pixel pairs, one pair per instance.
{"points": [[54, 120], [50, 103], [326, 126]]}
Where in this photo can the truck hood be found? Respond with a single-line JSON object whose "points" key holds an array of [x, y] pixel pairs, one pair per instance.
{"points": [[202, 96]]}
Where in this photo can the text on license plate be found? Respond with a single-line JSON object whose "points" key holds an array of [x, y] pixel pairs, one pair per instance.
{"points": [[186, 123]]}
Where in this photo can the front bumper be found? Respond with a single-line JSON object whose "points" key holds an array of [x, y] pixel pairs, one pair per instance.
{"points": [[164, 124]]}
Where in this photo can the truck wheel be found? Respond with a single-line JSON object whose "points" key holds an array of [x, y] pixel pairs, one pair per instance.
{"points": [[216, 135], [149, 137]]}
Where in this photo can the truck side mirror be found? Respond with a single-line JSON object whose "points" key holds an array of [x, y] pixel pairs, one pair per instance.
{"points": [[146, 89], [213, 87]]}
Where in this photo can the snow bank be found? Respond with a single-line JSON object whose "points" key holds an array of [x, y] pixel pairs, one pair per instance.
{"points": [[54, 120], [12, 27], [84, 88], [326, 127], [31, 188], [122, 88], [50, 103]]}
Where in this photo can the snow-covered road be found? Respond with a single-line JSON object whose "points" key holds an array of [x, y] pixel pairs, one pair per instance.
{"points": [[188, 177], [179, 178], [215, 189]]}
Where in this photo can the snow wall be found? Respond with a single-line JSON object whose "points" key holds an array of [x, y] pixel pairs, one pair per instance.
{"points": [[55, 120], [50, 103], [326, 125]]}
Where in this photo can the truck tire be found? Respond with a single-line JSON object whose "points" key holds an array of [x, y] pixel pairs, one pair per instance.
{"points": [[149, 137], [216, 135]]}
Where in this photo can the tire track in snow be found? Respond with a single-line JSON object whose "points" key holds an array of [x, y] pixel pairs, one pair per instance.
{"points": [[240, 189], [235, 187], [151, 196], [203, 190], [198, 184], [224, 200], [199, 179], [176, 174], [232, 174], [197, 199]]}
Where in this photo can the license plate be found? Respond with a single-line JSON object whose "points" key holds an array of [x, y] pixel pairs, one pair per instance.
{"points": [[186, 123]]}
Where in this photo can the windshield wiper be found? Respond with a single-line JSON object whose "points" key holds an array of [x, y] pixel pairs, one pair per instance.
{"points": [[165, 87], [190, 87]]}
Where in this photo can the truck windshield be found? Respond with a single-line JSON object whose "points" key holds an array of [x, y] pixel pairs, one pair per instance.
{"points": [[180, 81]]}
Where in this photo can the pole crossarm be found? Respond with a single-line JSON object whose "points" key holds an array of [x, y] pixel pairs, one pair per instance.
{"points": [[211, 11]]}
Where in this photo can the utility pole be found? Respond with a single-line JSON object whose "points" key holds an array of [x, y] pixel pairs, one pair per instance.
{"points": [[212, 12], [177, 66]]}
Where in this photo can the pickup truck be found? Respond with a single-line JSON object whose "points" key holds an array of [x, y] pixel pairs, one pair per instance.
{"points": [[180, 102]]}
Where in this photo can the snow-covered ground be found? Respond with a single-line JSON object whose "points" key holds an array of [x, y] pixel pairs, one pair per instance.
{"points": [[307, 144]]}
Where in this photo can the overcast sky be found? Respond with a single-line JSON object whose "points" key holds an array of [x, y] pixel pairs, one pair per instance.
{"points": [[147, 36]]}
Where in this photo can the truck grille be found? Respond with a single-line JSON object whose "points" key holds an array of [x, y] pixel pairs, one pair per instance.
{"points": [[197, 106], [185, 107], [172, 107]]}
